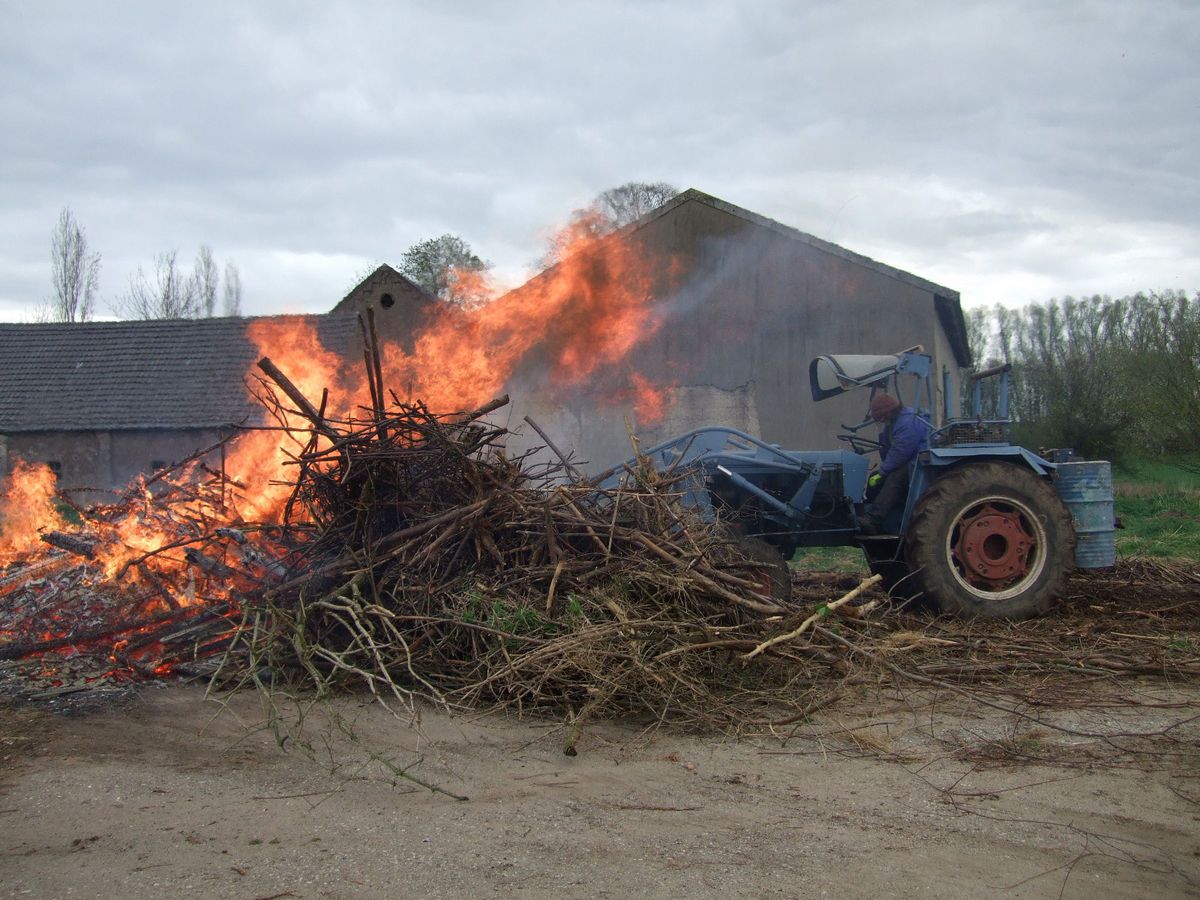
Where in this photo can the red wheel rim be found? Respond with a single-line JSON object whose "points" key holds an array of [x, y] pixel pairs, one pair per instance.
{"points": [[994, 546]]}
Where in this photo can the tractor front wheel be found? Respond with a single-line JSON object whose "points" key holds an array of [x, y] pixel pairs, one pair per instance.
{"points": [[993, 540]]}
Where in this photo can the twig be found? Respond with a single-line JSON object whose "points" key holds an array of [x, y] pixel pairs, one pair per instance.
{"points": [[821, 612]]}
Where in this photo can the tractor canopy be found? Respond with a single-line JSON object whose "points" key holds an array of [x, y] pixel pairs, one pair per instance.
{"points": [[833, 375]]}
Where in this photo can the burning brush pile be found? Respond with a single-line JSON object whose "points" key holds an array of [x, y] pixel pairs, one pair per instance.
{"points": [[139, 588], [437, 567], [414, 559]]}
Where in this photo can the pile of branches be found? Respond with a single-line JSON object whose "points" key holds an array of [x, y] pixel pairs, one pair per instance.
{"points": [[443, 569]]}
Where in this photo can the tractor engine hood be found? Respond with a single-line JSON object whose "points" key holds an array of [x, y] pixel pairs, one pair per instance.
{"points": [[833, 375]]}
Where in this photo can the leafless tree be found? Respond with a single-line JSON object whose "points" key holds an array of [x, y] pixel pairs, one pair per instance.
{"points": [[168, 294], [609, 211], [206, 281], [74, 273], [171, 293], [232, 305], [630, 201]]}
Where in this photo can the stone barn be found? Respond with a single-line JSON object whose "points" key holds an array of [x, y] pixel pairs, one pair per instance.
{"points": [[401, 307], [745, 304], [100, 402]]}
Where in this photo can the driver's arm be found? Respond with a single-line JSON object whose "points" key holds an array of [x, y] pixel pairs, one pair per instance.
{"points": [[904, 443]]}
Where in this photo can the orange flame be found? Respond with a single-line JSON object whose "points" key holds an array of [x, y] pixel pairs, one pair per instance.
{"points": [[649, 401], [293, 345], [259, 460], [586, 312], [27, 509], [583, 314]]}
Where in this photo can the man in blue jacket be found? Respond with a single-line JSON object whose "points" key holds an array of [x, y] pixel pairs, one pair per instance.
{"points": [[904, 435]]}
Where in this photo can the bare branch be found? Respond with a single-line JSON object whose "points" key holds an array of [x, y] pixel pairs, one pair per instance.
{"points": [[232, 303], [74, 273]]}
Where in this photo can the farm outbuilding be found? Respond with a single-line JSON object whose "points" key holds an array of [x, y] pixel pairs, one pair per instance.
{"points": [[741, 304], [100, 402], [744, 304]]}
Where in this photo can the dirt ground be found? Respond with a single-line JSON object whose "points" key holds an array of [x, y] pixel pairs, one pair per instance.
{"points": [[888, 794]]}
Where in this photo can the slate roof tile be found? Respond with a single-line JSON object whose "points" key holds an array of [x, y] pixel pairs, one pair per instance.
{"points": [[181, 373]]}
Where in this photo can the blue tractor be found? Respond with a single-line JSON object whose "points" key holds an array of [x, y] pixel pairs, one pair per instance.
{"points": [[988, 529]]}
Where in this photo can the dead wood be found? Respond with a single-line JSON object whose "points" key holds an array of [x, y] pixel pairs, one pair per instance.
{"points": [[71, 543]]}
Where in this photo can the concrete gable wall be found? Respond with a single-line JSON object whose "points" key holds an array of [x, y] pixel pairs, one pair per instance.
{"points": [[747, 312]]}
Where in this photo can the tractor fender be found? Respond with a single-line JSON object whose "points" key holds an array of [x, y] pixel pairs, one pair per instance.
{"points": [[949, 456], [937, 461]]}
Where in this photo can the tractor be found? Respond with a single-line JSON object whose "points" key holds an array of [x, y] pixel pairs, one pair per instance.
{"points": [[988, 529]]}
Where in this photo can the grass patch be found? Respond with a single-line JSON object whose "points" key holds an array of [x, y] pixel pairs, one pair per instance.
{"points": [[1155, 474], [1158, 503], [830, 559], [1164, 523]]}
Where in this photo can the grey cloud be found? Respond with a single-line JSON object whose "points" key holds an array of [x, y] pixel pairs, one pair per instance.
{"points": [[967, 142]]}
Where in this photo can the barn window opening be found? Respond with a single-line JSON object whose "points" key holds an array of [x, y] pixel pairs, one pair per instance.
{"points": [[387, 301]]}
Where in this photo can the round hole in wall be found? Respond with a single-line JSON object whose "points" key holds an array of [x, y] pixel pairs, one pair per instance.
{"points": [[387, 301]]}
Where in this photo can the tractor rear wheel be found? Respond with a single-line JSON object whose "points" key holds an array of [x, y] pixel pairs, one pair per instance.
{"points": [[991, 539]]}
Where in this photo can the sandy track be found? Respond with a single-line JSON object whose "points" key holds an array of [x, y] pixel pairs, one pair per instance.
{"points": [[892, 796]]}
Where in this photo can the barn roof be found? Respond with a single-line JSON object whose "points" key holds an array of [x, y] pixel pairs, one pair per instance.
{"points": [[166, 373], [946, 300]]}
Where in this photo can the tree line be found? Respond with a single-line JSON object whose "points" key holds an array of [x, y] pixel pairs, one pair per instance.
{"points": [[168, 292], [1107, 376], [443, 266]]}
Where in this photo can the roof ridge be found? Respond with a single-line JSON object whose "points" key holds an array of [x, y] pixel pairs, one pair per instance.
{"points": [[694, 195]]}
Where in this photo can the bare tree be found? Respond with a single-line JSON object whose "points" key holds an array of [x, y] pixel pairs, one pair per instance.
{"points": [[609, 211], [168, 294], [74, 273], [232, 303], [171, 293], [630, 201], [205, 281]]}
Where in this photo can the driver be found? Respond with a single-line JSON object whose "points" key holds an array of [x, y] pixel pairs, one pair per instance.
{"points": [[904, 435]]}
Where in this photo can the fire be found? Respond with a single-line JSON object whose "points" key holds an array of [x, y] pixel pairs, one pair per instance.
{"points": [[649, 402], [293, 345], [27, 509], [586, 312], [574, 325], [583, 315]]}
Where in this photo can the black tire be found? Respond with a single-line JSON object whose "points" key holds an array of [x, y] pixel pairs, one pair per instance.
{"points": [[768, 567], [991, 539]]}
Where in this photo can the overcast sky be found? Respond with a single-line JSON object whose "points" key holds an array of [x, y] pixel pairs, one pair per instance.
{"points": [[1014, 151]]}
